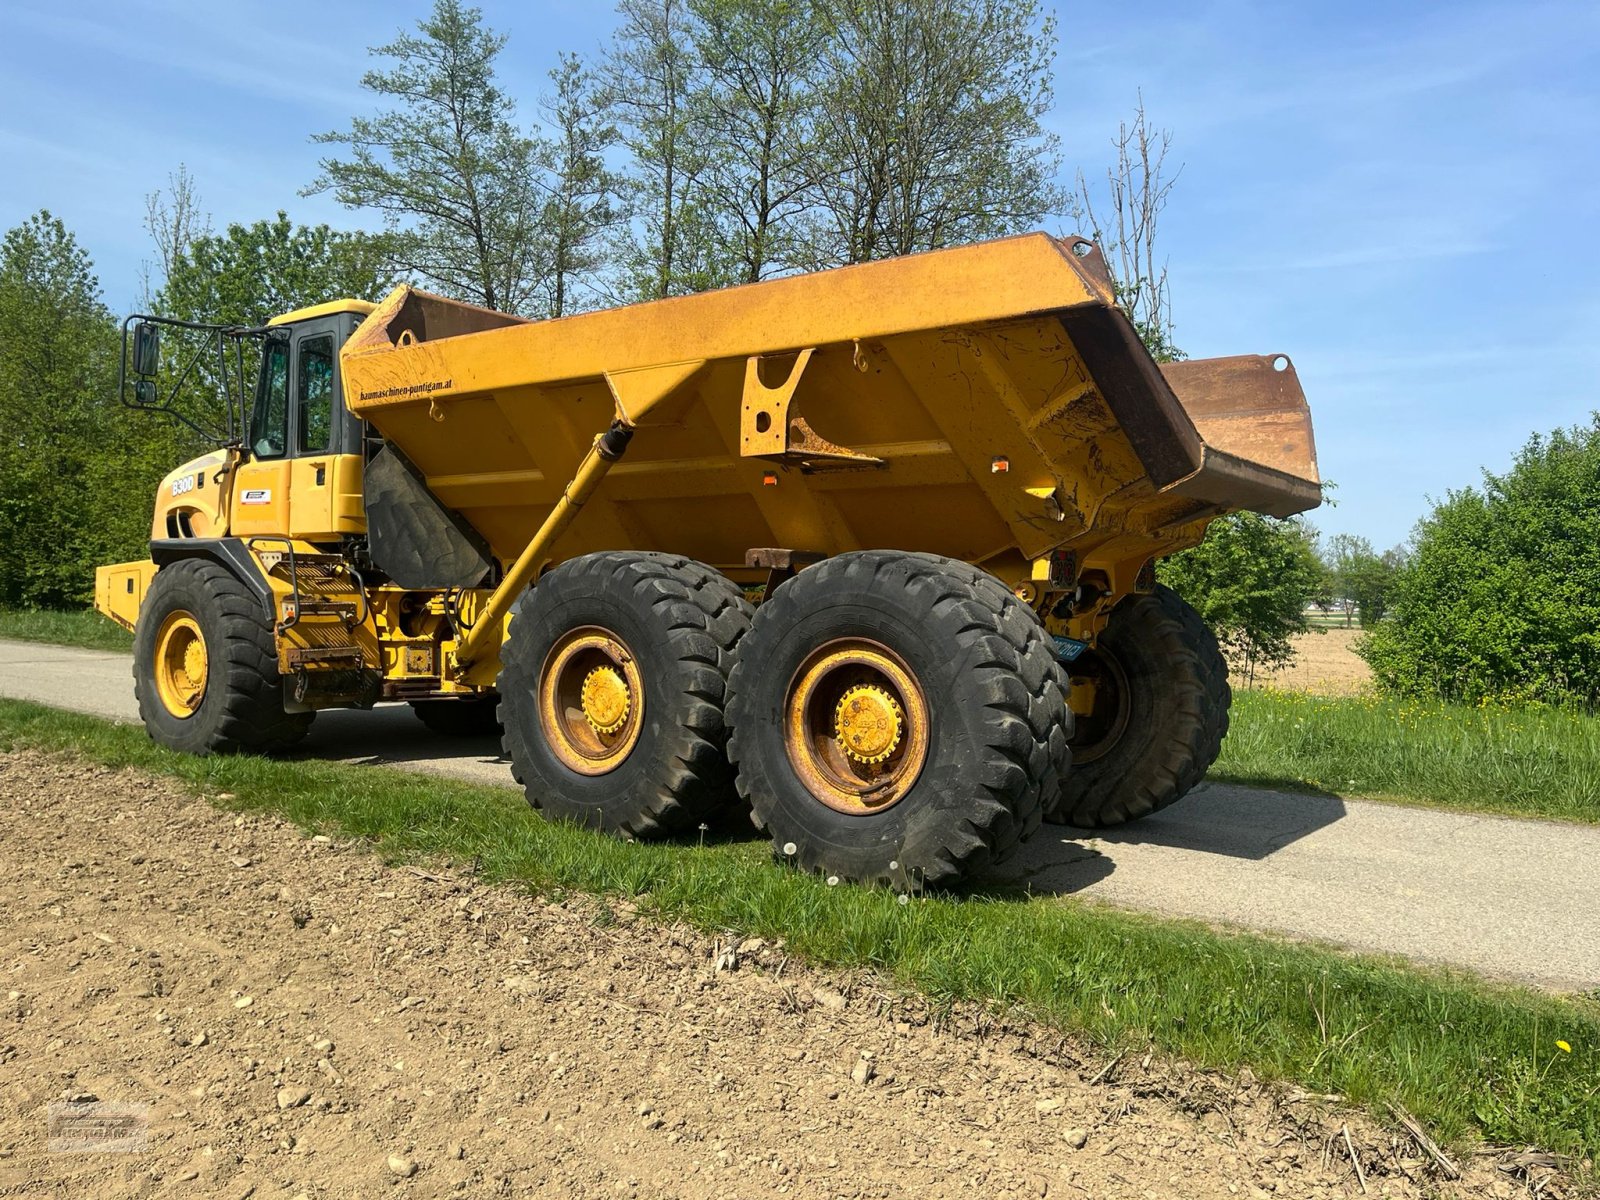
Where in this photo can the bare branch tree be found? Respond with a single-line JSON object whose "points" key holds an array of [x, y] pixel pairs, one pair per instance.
{"points": [[1125, 221], [931, 125], [173, 220]]}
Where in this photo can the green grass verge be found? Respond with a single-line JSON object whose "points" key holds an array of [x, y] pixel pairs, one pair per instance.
{"points": [[1521, 762], [1467, 1058], [78, 627]]}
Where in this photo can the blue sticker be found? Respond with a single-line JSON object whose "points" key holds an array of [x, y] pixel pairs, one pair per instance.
{"points": [[1068, 649]]}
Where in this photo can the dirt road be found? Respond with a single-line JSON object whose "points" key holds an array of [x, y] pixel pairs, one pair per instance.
{"points": [[1519, 899], [300, 1020]]}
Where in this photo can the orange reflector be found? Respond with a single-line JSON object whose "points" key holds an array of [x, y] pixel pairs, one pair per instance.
{"points": [[770, 479], [1000, 465]]}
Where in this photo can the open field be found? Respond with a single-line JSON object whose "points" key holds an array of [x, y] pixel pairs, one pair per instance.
{"points": [[1521, 762], [1466, 1058], [1325, 664]]}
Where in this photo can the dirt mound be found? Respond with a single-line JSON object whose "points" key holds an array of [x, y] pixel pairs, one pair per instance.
{"points": [[303, 1020]]}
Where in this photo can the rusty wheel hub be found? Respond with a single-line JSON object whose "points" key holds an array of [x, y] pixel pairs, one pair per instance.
{"points": [[591, 700], [856, 726]]}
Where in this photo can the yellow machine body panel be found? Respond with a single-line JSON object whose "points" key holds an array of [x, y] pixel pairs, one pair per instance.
{"points": [[325, 497], [988, 402], [193, 501], [262, 498], [119, 590]]}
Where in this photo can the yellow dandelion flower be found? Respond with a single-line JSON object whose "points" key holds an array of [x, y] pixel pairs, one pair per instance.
{"points": [[1563, 1047]]}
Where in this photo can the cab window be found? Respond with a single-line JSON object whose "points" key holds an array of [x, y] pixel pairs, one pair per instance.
{"points": [[269, 421], [315, 388]]}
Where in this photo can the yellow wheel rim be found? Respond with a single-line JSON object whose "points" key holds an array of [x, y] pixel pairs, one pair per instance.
{"points": [[856, 726], [181, 664], [591, 700]]}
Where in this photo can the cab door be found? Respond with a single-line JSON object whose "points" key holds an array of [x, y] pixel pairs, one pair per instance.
{"points": [[260, 484], [303, 478], [325, 481]]}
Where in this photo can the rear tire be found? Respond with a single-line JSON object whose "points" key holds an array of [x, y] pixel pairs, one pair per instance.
{"points": [[612, 688], [898, 639], [460, 718], [1160, 716], [231, 699]]}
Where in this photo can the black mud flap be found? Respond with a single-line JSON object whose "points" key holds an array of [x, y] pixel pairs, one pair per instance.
{"points": [[415, 540]]}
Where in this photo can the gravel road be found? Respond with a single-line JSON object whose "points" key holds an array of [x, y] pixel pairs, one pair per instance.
{"points": [[1509, 898]]}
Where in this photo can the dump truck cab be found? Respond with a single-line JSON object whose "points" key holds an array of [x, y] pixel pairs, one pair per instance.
{"points": [[297, 470], [870, 551], [301, 473]]}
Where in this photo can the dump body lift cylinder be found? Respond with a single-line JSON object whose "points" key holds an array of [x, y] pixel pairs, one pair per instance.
{"points": [[486, 633]]}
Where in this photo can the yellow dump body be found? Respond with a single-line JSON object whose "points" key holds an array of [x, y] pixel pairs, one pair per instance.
{"points": [[990, 403]]}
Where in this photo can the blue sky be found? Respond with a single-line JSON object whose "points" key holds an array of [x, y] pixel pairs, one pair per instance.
{"points": [[1403, 197]]}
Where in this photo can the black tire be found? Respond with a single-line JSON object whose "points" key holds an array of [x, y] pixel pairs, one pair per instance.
{"points": [[242, 705], [681, 620], [997, 720], [1160, 724], [460, 718]]}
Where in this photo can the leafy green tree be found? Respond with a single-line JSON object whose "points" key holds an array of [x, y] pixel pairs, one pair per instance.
{"points": [[446, 164], [1501, 597], [65, 474], [246, 275], [930, 125], [1362, 577], [250, 273], [651, 73], [1250, 580], [755, 109], [582, 204]]}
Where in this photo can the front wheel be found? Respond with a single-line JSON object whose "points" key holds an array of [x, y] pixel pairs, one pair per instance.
{"points": [[897, 718], [1160, 712], [205, 665]]}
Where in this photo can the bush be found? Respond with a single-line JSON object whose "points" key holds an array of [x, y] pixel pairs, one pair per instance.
{"points": [[1250, 580], [1501, 600]]}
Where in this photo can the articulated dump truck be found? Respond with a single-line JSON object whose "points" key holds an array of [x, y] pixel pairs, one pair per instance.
{"points": [[869, 551]]}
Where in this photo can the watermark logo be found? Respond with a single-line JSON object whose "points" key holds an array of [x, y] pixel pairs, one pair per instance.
{"points": [[97, 1127]]}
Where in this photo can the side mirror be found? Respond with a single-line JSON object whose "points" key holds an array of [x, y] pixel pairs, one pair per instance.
{"points": [[144, 393], [146, 350]]}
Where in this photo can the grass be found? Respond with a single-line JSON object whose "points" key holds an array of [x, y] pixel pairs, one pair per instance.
{"points": [[1521, 762], [80, 627], [1468, 1058]]}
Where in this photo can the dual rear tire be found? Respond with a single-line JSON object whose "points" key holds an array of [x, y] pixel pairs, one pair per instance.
{"points": [[887, 717]]}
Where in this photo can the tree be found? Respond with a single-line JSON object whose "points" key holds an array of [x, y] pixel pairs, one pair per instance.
{"points": [[1124, 223], [930, 125], [581, 206], [250, 273], [756, 111], [1363, 579], [247, 275], [446, 164], [172, 219], [65, 478], [1250, 580], [651, 72], [1501, 597]]}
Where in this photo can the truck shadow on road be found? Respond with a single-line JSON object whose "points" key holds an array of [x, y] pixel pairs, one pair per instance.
{"points": [[1239, 822], [1217, 818]]}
